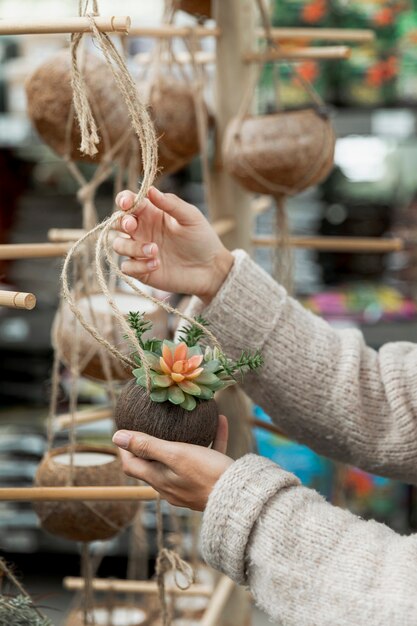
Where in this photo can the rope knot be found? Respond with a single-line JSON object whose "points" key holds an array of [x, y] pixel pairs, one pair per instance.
{"points": [[169, 560]]}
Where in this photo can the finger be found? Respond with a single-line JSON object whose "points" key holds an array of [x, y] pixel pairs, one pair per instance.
{"points": [[125, 199], [185, 214], [146, 447], [137, 269], [222, 435], [150, 472], [134, 249], [126, 220]]}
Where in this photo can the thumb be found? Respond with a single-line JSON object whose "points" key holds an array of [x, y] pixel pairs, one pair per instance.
{"points": [[222, 435], [143, 446]]}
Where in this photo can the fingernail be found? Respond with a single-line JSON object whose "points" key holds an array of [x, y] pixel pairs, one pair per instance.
{"points": [[123, 202], [122, 439], [148, 249], [152, 264]]}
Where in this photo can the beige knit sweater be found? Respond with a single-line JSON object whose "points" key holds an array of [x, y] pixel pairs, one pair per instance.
{"points": [[307, 562]]}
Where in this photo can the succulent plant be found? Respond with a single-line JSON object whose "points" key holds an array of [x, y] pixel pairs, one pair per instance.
{"points": [[184, 372]]}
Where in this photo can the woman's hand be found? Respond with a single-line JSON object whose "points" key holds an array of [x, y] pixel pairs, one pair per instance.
{"points": [[182, 473], [171, 245]]}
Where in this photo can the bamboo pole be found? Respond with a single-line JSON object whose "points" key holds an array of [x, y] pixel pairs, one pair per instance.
{"points": [[321, 53], [82, 417], [218, 602], [59, 494], [54, 26], [60, 235], [17, 300], [337, 244], [134, 586], [352, 35], [167, 31], [221, 226], [33, 250]]}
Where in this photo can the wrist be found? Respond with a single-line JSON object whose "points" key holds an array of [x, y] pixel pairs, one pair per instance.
{"points": [[219, 271]]}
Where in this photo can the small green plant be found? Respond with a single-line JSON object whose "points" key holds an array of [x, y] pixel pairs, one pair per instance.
{"points": [[184, 372], [20, 611]]}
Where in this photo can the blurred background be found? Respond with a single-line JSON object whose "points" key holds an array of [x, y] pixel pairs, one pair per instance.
{"points": [[372, 191]]}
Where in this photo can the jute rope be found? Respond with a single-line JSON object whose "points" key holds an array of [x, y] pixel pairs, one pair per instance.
{"points": [[166, 561]]}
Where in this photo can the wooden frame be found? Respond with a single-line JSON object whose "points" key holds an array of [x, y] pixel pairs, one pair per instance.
{"points": [[17, 300], [64, 25]]}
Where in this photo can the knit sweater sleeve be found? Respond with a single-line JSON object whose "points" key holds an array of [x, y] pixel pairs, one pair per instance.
{"points": [[321, 386], [306, 562]]}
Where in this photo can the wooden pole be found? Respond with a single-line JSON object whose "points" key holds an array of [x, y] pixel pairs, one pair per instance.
{"points": [[59, 235], [319, 53], [82, 417], [167, 31], [337, 244], [58, 494], [236, 19], [134, 586], [54, 26], [218, 602], [352, 35], [33, 250], [17, 300]]}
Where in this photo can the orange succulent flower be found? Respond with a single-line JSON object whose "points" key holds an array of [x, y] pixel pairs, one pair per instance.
{"points": [[177, 366]]}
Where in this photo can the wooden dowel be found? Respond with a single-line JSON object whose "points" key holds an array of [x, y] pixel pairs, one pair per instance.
{"points": [[59, 235], [261, 204], [82, 417], [352, 35], [271, 428], [299, 54], [35, 26], [134, 586], [224, 226], [17, 300], [166, 31], [33, 250], [52, 494], [218, 601], [202, 57], [337, 244]]}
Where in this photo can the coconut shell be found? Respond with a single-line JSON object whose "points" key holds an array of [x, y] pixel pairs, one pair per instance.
{"points": [[83, 521], [50, 106], [280, 154], [136, 411], [98, 313], [107, 615], [172, 109], [195, 7]]}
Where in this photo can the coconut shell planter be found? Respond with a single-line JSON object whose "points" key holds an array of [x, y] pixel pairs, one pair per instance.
{"points": [[281, 153], [184, 377], [96, 310], [49, 97], [83, 521], [199, 8]]}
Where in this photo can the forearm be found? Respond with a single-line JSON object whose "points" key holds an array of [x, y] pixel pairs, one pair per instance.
{"points": [[323, 387], [306, 562]]}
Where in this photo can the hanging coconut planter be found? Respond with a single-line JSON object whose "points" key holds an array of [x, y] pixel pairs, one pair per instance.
{"points": [[279, 154], [97, 311], [83, 521], [172, 108], [107, 615], [199, 8], [183, 377], [50, 107]]}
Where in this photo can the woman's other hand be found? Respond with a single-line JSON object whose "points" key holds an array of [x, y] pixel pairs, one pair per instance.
{"points": [[171, 246], [182, 473]]}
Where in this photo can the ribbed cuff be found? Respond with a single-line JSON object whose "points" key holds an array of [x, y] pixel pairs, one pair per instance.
{"points": [[233, 508], [238, 299]]}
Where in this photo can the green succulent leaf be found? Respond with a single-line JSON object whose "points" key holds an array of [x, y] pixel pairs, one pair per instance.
{"points": [[176, 395], [159, 395], [189, 387], [140, 376], [194, 351], [212, 366], [152, 360], [160, 380], [206, 378], [205, 393], [189, 403]]}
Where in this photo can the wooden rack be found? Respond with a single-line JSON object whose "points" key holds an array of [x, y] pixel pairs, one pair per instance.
{"points": [[73, 583], [318, 53], [51, 494], [17, 300], [33, 250], [63, 25]]}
